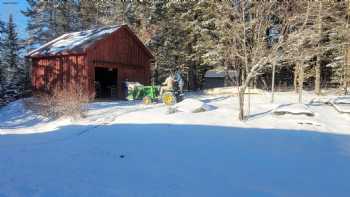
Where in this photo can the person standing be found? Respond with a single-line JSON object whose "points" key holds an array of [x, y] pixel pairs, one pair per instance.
{"points": [[167, 85], [125, 88], [179, 81]]}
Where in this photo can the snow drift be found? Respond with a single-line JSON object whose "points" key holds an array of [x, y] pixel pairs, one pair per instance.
{"points": [[296, 109], [192, 105]]}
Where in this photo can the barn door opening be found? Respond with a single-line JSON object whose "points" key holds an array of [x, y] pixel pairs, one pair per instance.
{"points": [[106, 80]]}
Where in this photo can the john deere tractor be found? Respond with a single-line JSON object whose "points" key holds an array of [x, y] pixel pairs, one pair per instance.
{"points": [[150, 94]]}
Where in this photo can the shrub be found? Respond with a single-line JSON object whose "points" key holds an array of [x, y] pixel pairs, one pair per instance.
{"points": [[60, 102]]}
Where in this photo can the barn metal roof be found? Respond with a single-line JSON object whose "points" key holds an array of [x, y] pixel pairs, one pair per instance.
{"points": [[75, 42]]}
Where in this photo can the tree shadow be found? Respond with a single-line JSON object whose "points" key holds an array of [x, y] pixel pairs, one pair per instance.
{"points": [[14, 116], [259, 114], [108, 104], [216, 99], [174, 160]]}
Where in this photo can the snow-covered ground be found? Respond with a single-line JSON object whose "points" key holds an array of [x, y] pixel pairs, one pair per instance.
{"points": [[129, 149]]}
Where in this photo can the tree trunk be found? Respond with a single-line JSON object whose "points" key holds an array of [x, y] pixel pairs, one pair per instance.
{"points": [[318, 62], [301, 82], [273, 82], [296, 74], [241, 92], [346, 70], [346, 64], [241, 103], [318, 78]]}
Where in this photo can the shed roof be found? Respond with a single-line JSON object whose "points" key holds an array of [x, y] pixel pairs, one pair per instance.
{"points": [[75, 42], [214, 74]]}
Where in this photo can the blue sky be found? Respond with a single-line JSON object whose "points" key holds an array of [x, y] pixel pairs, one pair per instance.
{"points": [[14, 7]]}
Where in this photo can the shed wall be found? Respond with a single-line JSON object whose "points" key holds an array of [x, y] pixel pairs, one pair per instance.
{"points": [[62, 72], [123, 52]]}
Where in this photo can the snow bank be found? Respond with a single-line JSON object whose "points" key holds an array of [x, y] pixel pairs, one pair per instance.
{"points": [[192, 105], [331, 99], [15, 115], [342, 100], [321, 100], [16, 118], [341, 104], [342, 108], [296, 109]]}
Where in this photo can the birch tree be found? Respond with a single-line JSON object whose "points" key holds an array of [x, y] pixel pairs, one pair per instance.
{"points": [[248, 23]]}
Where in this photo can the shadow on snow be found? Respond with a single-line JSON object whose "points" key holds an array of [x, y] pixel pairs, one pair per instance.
{"points": [[174, 160]]}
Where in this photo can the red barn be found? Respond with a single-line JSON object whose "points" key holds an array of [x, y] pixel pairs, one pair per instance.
{"points": [[97, 60]]}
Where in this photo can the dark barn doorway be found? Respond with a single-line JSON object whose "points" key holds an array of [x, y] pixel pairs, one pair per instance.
{"points": [[106, 80]]}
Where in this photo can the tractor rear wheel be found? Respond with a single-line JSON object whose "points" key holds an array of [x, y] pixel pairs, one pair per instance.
{"points": [[147, 100], [168, 98]]}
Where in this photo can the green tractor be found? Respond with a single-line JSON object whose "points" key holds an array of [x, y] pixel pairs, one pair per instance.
{"points": [[150, 94]]}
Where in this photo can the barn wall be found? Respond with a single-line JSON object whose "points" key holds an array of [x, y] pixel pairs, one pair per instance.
{"points": [[120, 47], [63, 72], [120, 51]]}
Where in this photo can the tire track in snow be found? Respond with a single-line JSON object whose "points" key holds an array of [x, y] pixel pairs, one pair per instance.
{"points": [[89, 128], [114, 117]]}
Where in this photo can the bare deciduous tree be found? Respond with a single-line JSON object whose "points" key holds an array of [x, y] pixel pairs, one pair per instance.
{"points": [[249, 24]]}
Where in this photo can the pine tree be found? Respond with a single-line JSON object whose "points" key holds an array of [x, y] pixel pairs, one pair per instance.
{"points": [[2, 31], [13, 72], [316, 39], [200, 24], [66, 16], [169, 40], [37, 29], [50, 19]]}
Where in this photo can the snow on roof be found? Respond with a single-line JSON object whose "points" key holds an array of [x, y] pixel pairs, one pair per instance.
{"points": [[75, 42], [214, 74]]}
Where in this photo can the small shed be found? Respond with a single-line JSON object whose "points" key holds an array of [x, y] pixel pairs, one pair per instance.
{"points": [[98, 61], [214, 79]]}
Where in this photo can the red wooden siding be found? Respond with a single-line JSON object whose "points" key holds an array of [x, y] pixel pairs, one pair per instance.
{"points": [[63, 72], [122, 51]]}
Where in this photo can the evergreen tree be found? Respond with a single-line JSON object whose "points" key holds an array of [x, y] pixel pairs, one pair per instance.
{"points": [[316, 40], [167, 42], [66, 16], [202, 40], [37, 29], [50, 19], [96, 13], [13, 72], [2, 31]]}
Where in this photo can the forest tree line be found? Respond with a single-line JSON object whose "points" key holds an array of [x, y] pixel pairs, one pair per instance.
{"points": [[249, 37]]}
